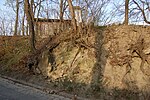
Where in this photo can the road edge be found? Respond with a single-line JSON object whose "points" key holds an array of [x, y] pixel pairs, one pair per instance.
{"points": [[44, 89]]}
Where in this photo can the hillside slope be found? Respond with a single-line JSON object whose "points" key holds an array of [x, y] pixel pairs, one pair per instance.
{"points": [[106, 62]]}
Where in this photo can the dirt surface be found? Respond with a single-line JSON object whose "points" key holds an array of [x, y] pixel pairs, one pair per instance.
{"points": [[109, 63]]}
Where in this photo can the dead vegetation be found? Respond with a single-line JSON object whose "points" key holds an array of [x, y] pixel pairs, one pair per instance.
{"points": [[12, 50], [106, 62]]}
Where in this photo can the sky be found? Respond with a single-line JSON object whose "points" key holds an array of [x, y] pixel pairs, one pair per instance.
{"points": [[2, 2], [10, 12], [7, 15], [3, 8]]}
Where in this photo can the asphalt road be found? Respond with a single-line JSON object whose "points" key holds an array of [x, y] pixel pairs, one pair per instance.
{"points": [[13, 91]]}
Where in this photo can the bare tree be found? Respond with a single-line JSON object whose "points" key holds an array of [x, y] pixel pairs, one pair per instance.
{"points": [[96, 10], [17, 15], [23, 18], [27, 29], [142, 9], [126, 21], [72, 15], [6, 23], [2, 28], [30, 20], [61, 10]]}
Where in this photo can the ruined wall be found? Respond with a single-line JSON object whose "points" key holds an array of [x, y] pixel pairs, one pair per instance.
{"points": [[45, 29]]}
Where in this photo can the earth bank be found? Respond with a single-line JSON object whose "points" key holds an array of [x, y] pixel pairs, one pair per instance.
{"points": [[105, 63]]}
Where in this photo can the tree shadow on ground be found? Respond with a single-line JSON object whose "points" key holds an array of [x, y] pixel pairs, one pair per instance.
{"points": [[97, 88], [96, 85]]}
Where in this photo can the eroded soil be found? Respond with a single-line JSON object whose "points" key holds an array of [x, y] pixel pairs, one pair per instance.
{"points": [[109, 63]]}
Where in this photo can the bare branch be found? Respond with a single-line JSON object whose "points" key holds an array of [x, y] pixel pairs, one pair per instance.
{"points": [[143, 12]]}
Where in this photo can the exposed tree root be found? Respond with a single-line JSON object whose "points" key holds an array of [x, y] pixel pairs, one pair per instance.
{"points": [[75, 57], [50, 44], [138, 49]]}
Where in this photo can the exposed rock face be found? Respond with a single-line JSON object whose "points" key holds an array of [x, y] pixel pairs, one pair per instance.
{"points": [[128, 59], [115, 57], [73, 62], [47, 62]]}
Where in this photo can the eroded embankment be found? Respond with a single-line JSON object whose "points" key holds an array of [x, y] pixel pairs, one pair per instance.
{"points": [[107, 63], [111, 59]]}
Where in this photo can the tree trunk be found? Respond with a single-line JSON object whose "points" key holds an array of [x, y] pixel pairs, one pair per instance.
{"points": [[27, 29], [11, 26], [61, 10], [30, 20], [126, 21], [72, 15], [23, 25], [17, 15], [61, 16]]}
